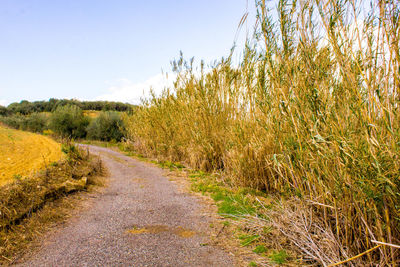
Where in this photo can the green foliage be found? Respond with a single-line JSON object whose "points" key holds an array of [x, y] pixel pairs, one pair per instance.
{"points": [[14, 121], [35, 122], [106, 127], [71, 151], [279, 257], [171, 165], [234, 204], [3, 111], [260, 249], [69, 122], [246, 240], [25, 107], [230, 203]]}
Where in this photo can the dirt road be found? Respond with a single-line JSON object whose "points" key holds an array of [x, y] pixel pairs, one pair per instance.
{"points": [[140, 219]]}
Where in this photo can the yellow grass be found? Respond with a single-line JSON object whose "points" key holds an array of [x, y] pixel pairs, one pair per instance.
{"points": [[23, 153], [91, 113]]}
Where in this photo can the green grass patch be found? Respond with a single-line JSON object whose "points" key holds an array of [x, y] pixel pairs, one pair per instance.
{"points": [[171, 165], [267, 229], [260, 249], [246, 240], [279, 257], [226, 223], [230, 203]]}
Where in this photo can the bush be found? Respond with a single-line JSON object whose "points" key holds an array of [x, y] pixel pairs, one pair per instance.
{"points": [[3, 111], [37, 122], [108, 126], [14, 121], [69, 122]]}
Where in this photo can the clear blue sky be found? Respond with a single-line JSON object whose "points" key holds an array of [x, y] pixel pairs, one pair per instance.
{"points": [[82, 48]]}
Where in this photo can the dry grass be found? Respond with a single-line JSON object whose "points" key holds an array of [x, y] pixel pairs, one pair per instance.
{"points": [[24, 153], [29, 206], [311, 112], [91, 113]]}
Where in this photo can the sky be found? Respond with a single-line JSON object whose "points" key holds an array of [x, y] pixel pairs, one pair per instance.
{"points": [[107, 49]]}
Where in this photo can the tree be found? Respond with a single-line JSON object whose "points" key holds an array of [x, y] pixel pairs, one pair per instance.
{"points": [[108, 126], [3, 111], [69, 122]]}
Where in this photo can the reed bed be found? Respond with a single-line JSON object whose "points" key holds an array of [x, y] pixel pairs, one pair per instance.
{"points": [[311, 112]]}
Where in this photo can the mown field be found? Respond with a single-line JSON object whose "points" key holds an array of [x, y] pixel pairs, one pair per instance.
{"points": [[23, 153]]}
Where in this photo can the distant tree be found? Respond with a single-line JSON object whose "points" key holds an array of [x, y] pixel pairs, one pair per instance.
{"points": [[3, 111], [69, 122], [51, 105], [14, 121], [36, 122], [25, 107], [108, 126]]}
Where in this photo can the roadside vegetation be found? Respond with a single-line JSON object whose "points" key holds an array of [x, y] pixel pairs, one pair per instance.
{"points": [[40, 170], [67, 118], [107, 126], [30, 204], [310, 116]]}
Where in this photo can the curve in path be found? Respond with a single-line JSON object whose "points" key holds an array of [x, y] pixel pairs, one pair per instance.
{"points": [[140, 219]]}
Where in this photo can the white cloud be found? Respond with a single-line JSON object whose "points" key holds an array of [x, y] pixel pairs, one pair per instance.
{"points": [[124, 90], [3, 102]]}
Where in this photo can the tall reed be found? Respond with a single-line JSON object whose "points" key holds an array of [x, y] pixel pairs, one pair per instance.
{"points": [[312, 111]]}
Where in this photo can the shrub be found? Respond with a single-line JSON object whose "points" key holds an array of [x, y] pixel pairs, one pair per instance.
{"points": [[69, 122], [106, 127], [36, 122], [13, 121], [3, 111]]}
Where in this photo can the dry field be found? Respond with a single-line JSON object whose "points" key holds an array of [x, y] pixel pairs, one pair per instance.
{"points": [[91, 113], [23, 153]]}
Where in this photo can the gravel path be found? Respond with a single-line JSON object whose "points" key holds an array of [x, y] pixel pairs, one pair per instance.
{"points": [[140, 219]]}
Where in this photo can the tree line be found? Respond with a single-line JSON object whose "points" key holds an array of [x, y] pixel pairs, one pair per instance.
{"points": [[26, 107], [69, 121]]}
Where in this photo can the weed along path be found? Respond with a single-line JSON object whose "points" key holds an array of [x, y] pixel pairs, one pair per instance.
{"points": [[139, 219]]}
